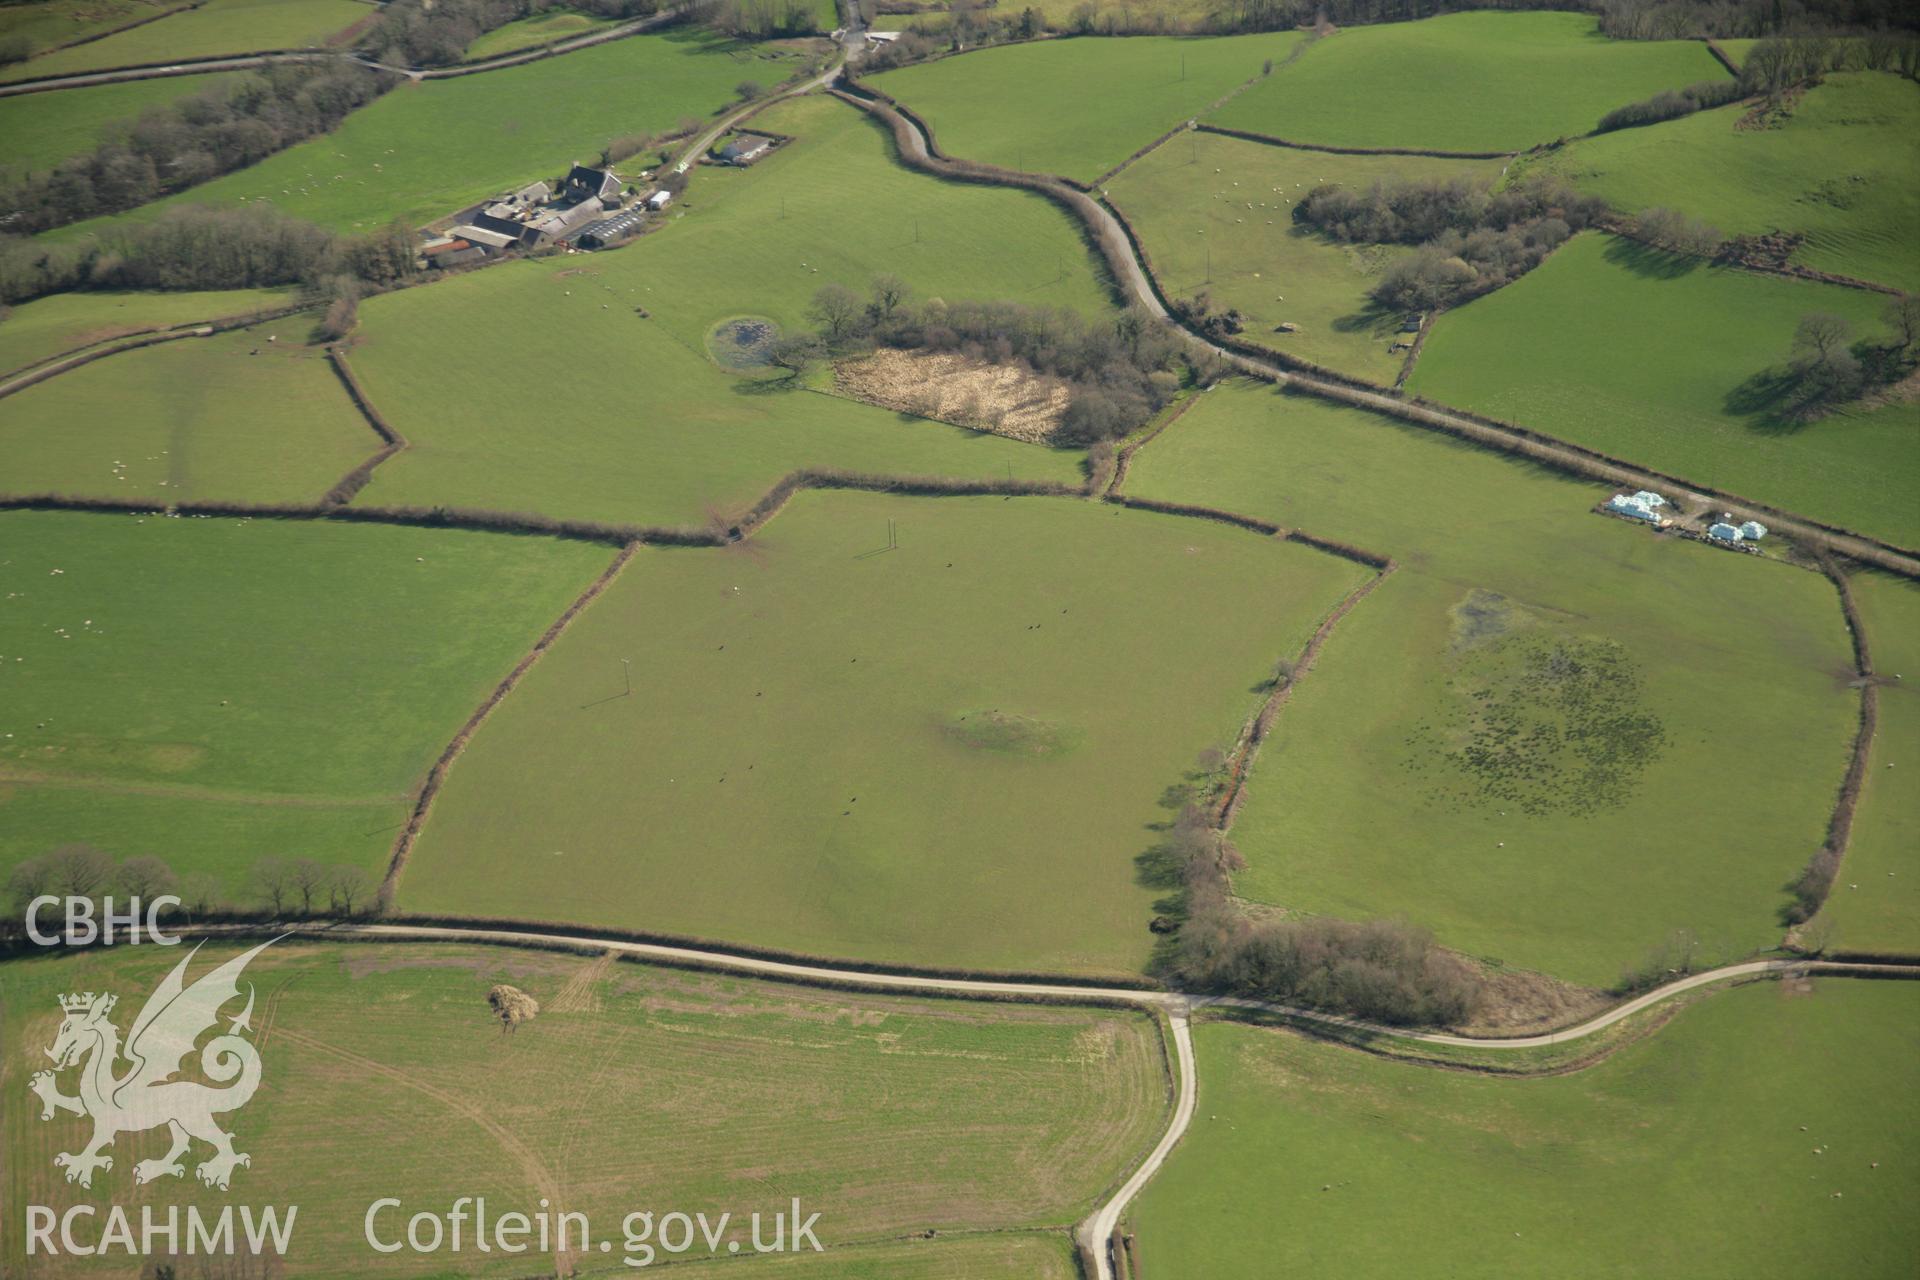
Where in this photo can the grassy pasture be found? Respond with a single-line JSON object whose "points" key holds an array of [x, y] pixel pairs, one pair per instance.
{"points": [[1364, 802], [419, 152], [1844, 170], [542, 28], [1463, 82], [581, 407], [1875, 904], [1076, 107], [1188, 201], [385, 1074], [214, 28], [995, 1256], [1650, 358], [230, 417], [275, 670], [799, 768], [46, 23], [1740, 1140], [34, 331], [42, 129]]}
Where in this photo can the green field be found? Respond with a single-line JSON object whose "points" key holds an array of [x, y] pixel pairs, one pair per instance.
{"points": [[34, 331], [1875, 904], [836, 752], [1844, 171], [233, 417], [1464, 82], [579, 406], [1577, 858], [1648, 358], [1076, 107], [274, 670], [417, 153], [1765, 1131], [1189, 203], [634, 1089], [47, 23], [526, 33], [42, 129], [207, 31]]}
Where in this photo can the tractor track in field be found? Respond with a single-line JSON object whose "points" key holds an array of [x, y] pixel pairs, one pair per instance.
{"points": [[1095, 1235]]}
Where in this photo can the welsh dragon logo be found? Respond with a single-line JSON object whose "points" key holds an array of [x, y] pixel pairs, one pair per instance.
{"points": [[145, 1096]]}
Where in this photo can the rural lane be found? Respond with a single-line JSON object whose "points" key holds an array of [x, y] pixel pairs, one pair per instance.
{"points": [[1097, 1231]]}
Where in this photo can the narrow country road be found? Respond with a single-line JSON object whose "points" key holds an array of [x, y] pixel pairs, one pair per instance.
{"points": [[1096, 1232]]}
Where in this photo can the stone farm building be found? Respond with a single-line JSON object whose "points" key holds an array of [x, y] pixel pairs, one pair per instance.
{"points": [[744, 149], [536, 215]]}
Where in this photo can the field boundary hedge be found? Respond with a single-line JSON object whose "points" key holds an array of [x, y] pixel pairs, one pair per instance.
{"points": [[392, 442], [220, 324], [1827, 861], [46, 372], [1626, 229], [1721, 56], [114, 31], [437, 773], [1271, 140]]}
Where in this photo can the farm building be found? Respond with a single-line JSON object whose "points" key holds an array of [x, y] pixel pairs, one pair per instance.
{"points": [[610, 231], [584, 184], [745, 149], [659, 200], [451, 251], [486, 237], [1644, 505]]}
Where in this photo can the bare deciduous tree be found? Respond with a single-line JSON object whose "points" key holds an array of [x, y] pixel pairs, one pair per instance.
{"points": [[273, 877]]}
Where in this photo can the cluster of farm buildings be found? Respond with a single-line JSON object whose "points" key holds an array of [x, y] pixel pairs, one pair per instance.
{"points": [[588, 209], [1648, 506]]}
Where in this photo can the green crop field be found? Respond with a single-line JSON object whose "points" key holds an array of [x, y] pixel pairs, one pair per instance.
{"points": [[1463, 82], [633, 1089], [265, 670], [1875, 903], [421, 151], [582, 407], [232, 417], [205, 31], [1638, 666], [1844, 171], [1764, 1131], [543, 28], [34, 331], [948, 754], [1189, 201], [1662, 361], [42, 129], [1076, 107]]}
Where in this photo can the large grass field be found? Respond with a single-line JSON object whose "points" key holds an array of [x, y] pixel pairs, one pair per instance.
{"points": [[1076, 107], [634, 1089], [277, 671], [1657, 359], [1844, 171], [1875, 904], [420, 152], [1189, 201], [47, 23], [526, 33], [231, 417], [579, 406], [34, 331], [1684, 714], [208, 30], [42, 129], [1765, 1131], [948, 754], [1464, 82]]}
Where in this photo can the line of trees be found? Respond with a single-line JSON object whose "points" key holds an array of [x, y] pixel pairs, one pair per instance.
{"points": [[1118, 372], [1671, 104], [1827, 367], [276, 885], [1750, 19], [181, 144], [197, 247], [1382, 970], [759, 19], [1471, 239]]}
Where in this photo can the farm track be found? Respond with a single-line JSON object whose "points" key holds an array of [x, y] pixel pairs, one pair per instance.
{"points": [[1125, 256], [1095, 1234]]}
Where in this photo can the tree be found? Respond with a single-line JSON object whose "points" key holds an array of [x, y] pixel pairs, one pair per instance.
{"points": [[145, 877], [307, 878], [346, 886], [889, 291], [1903, 317], [29, 880], [79, 870], [1820, 335], [273, 878], [835, 309], [749, 90], [199, 890], [796, 353]]}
